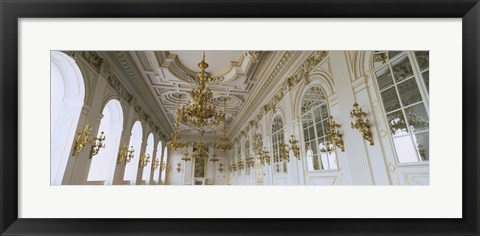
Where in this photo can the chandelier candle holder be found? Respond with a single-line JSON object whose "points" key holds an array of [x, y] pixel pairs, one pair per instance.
{"points": [[264, 157], [294, 147], [155, 164], [334, 134], [186, 155], [240, 165], [249, 162], [130, 155], [200, 111], [361, 124], [97, 144], [174, 142], [144, 160], [214, 155], [163, 166], [224, 144], [82, 139]]}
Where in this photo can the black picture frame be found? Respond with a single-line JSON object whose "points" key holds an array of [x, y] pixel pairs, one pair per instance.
{"points": [[12, 10]]}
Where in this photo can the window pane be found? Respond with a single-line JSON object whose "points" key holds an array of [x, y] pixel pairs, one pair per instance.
{"points": [[320, 132], [417, 118], [409, 93], [324, 111], [306, 136], [312, 133], [392, 54], [423, 148], [397, 123], [384, 78], [405, 148], [314, 147], [390, 99], [317, 114], [422, 59], [426, 79], [402, 69]]}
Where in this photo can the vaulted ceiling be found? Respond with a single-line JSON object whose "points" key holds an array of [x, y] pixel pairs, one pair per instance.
{"points": [[162, 76]]}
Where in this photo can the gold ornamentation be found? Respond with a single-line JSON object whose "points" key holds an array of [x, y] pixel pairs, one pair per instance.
{"points": [[155, 164], [334, 134], [357, 114], [163, 166], [185, 155], [97, 144], [144, 160], [264, 157], [178, 167], [82, 139], [200, 111], [240, 165], [130, 155], [174, 142], [214, 155], [220, 167], [249, 162], [294, 147]]}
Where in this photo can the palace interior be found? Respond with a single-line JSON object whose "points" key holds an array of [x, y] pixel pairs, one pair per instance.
{"points": [[240, 118]]}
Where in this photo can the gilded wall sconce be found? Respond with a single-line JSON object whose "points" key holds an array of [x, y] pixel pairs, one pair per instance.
{"points": [[97, 144], [230, 168], [155, 164], [82, 139], [357, 115], [178, 167], [294, 147], [240, 165], [220, 167], [264, 157], [249, 161], [186, 155], [334, 134], [144, 160], [234, 167], [130, 154], [163, 166]]}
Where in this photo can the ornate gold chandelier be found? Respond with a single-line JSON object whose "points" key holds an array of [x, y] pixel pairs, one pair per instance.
{"points": [[200, 152], [174, 142], [200, 111]]}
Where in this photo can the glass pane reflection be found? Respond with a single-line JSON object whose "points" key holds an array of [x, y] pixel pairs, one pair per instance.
{"points": [[423, 147], [384, 78], [390, 99], [402, 69], [417, 118], [397, 123], [409, 93], [405, 148]]}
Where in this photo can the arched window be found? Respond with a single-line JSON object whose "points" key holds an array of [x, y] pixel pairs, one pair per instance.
{"points": [[103, 164], [156, 174], [135, 142], [315, 131], [165, 161], [277, 141], [403, 80], [67, 91], [247, 153], [149, 151]]}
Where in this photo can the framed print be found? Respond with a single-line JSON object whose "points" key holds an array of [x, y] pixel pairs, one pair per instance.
{"points": [[262, 118]]}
